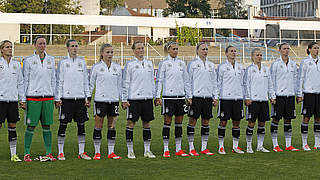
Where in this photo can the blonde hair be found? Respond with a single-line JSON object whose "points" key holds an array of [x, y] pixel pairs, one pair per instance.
{"points": [[2, 44]]}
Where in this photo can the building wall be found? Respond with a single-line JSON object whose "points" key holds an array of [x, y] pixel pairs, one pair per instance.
{"points": [[90, 7], [10, 32], [293, 8]]}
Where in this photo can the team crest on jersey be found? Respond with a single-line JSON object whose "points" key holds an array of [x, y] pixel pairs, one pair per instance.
{"points": [[102, 69], [222, 114], [80, 65], [239, 68], [137, 66], [281, 66], [310, 63], [114, 69], [49, 63], [14, 67], [264, 71], [198, 65], [169, 65], [228, 69], [34, 62], [210, 66], [62, 116], [1, 67], [130, 115], [149, 66], [167, 110], [304, 111], [98, 111], [67, 65], [180, 64], [254, 71]]}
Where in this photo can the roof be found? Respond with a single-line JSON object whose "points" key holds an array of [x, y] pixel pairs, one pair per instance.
{"points": [[134, 13], [145, 4]]}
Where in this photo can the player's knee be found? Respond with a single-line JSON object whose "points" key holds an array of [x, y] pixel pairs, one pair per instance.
{"points": [[130, 124], [192, 121], [306, 119], [81, 129], [12, 134], [223, 123], [62, 129], [251, 124]]}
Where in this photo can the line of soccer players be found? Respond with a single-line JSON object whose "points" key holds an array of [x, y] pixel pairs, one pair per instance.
{"points": [[193, 89]]}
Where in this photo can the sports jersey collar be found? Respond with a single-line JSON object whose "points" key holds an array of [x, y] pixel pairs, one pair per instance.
{"points": [[289, 60], [235, 63], [136, 59], [171, 58], [45, 55], [256, 66], [71, 57], [316, 59], [106, 64], [199, 59]]}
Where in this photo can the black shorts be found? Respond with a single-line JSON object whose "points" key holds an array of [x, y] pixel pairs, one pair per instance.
{"points": [[10, 111], [103, 109], [73, 109], [258, 110], [284, 108], [230, 109], [172, 107], [201, 106], [140, 108], [311, 105]]}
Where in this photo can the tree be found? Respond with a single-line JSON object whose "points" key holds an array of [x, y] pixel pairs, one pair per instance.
{"points": [[189, 8], [45, 7], [232, 9], [107, 6], [187, 35]]}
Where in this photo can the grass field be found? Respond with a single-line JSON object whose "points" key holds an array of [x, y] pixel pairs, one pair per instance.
{"points": [[286, 165]]}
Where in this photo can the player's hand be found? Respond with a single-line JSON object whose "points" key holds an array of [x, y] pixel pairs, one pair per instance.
{"points": [[57, 104], [189, 101], [273, 101], [125, 105], [247, 102], [215, 102], [299, 99], [87, 104], [23, 105], [157, 102]]}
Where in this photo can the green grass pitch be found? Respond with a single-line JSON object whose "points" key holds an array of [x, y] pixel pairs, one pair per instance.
{"points": [[286, 165]]}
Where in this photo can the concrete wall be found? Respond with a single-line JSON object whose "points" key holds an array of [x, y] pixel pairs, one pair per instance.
{"points": [[10, 32]]}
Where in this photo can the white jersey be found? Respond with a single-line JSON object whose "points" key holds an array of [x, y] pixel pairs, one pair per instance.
{"points": [[138, 80], [39, 77], [203, 79], [284, 77], [230, 81], [172, 78], [11, 81], [257, 83], [309, 72], [108, 82], [72, 79]]}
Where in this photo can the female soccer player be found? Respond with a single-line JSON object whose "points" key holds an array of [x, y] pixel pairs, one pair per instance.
{"points": [[173, 81], [258, 90], [106, 76], [11, 91]]}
